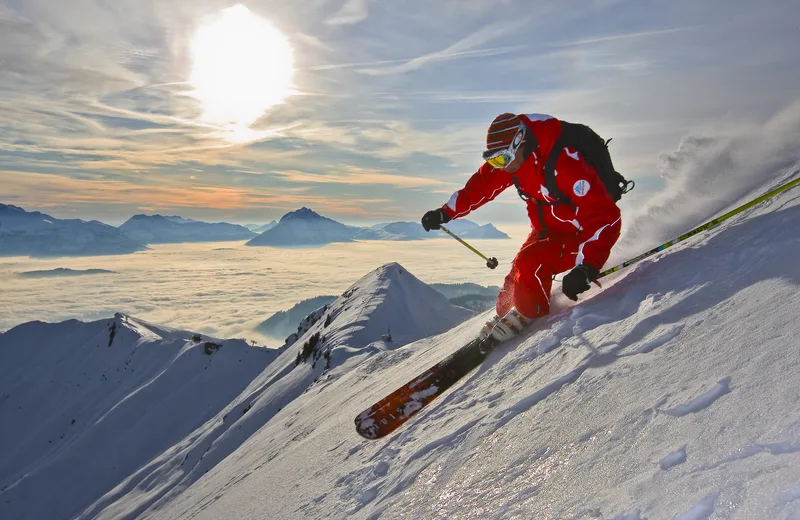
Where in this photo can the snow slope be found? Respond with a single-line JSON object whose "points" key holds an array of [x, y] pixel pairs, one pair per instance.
{"points": [[670, 394], [83, 404]]}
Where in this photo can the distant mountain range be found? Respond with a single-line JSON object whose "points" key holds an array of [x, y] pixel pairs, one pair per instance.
{"points": [[24, 233], [61, 272], [464, 228], [266, 227], [157, 229], [36, 234], [305, 227]]}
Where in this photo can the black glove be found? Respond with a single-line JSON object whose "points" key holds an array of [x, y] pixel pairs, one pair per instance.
{"points": [[578, 280], [434, 219]]}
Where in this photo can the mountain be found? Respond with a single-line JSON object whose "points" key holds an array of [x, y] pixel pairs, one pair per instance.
{"points": [[265, 227], [404, 230], [457, 290], [157, 229], [60, 272], [116, 403], [283, 323], [468, 229], [24, 233], [85, 405], [305, 227], [669, 394], [462, 227]]}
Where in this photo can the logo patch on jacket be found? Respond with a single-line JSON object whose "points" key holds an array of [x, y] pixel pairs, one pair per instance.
{"points": [[581, 188]]}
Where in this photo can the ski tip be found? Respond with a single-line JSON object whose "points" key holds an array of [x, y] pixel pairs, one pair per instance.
{"points": [[366, 426]]}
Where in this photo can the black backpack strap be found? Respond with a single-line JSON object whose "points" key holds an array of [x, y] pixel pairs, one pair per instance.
{"points": [[524, 196], [530, 145]]}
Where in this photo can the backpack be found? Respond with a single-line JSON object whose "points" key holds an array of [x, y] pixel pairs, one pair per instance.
{"points": [[594, 150]]}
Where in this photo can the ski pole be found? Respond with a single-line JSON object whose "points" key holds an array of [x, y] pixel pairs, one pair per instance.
{"points": [[491, 263], [708, 225]]}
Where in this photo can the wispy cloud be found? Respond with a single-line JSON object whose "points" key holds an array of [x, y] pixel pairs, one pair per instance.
{"points": [[359, 176], [629, 36], [351, 12], [463, 48], [53, 191]]}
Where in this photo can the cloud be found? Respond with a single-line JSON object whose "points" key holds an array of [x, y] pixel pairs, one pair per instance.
{"points": [[46, 190], [711, 173], [360, 176], [351, 12], [463, 48], [627, 36]]}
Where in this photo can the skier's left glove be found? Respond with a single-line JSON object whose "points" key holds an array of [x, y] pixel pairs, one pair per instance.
{"points": [[578, 280], [434, 219]]}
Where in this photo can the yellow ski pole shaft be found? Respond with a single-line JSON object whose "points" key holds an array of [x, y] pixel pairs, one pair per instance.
{"points": [[708, 225], [491, 263]]}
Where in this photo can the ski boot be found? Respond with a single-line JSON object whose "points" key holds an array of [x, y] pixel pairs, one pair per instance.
{"points": [[497, 330], [488, 326]]}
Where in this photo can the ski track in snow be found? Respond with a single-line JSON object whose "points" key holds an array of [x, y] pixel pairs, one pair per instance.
{"points": [[703, 400], [787, 497], [701, 510], [780, 448], [673, 459], [633, 515]]}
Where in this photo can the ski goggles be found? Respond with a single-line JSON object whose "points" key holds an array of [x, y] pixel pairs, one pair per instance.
{"points": [[503, 157]]}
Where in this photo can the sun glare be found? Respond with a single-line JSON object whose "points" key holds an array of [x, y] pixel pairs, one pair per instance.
{"points": [[242, 65]]}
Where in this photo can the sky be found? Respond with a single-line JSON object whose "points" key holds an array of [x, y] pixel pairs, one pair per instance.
{"points": [[365, 111]]}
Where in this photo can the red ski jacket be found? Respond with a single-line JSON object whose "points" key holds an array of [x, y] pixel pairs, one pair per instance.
{"points": [[594, 223]]}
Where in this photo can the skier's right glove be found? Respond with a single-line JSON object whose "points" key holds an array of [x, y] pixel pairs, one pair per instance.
{"points": [[434, 219], [578, 280]]}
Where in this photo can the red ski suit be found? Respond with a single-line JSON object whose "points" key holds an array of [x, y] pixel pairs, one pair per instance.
{"points": [[584, 234]]}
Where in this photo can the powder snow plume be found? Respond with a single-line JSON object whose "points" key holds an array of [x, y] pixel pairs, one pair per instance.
{"points": [[712, 173]]}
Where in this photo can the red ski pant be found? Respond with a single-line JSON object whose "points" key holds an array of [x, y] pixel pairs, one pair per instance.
{"points": [[527, 285]]}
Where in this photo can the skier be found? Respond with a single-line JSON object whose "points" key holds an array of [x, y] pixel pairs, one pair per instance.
{"points": [[572, 234]]}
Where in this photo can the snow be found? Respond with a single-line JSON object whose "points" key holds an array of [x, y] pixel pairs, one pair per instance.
{"points": [[673, 459], [670, 394]]}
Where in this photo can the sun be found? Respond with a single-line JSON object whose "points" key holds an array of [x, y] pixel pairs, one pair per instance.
{"points": [[241, 65]]}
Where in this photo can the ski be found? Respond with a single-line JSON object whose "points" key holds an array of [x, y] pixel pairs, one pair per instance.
{"points": [[385, 416]]}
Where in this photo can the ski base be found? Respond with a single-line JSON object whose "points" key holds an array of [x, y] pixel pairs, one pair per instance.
{"points": [[385, 416]]}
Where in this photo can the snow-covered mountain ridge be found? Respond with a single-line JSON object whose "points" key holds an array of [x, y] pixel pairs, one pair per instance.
{"points": [[179, 399], [669, 394], [85, 404]]}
